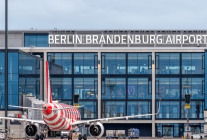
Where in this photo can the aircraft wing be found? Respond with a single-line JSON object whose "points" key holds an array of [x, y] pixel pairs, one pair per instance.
{"points": [[114, 118], [23, 120]]}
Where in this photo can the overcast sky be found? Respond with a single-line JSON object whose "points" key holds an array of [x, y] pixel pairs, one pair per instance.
{"points": [[105, 14]]}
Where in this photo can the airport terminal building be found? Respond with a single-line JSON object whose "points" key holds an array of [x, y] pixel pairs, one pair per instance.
{"points": [[111, 79]]}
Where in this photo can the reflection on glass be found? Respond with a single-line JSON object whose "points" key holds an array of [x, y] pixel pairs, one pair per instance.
{"points": [[138, 108], [115, 63], [168, 88], [13, 63], [61, 88], [196, 109], [85, 63], [167, 63], [115, 88], [138, 88], [29, 85], [2, 91], [85, 88], [168, 109], [2, 65], [192, 86], [139, 63], [60, 63], [89, 109], [37, 40], [113, 109], [27, 64], [192, 63]]}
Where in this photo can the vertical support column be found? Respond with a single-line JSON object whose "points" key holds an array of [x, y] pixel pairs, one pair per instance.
{"points": [[41, 80], [45, 82], [6, 60], [153, 95], [99, 86]]}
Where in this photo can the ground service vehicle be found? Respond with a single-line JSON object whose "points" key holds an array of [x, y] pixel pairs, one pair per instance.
{"points": [[133, 133], [63, 117]]}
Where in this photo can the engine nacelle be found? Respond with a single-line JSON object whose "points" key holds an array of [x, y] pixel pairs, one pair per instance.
{"points": [[31, 130], [96, 130]]}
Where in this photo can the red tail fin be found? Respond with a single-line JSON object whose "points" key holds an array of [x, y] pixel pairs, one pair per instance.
{"points": [[49, 97]]}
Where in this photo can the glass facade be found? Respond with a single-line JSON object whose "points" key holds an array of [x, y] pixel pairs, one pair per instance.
{"points": [[168, 109], [75, 74], [113, 109], [176, 129], [113, 63], [123, 92], [178, 74], [193, 86], [61, 88], [114, 88], [60, 63], [85, 63], [196, 109], [87, 88], [2, 80], [37, 40], [192, 63], [167, 88], [29, 75], [167, 63], [139, 88], [138, 108], [139, 63]]}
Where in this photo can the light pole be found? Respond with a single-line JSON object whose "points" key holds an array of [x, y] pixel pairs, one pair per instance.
{"points": [[6, 60]]}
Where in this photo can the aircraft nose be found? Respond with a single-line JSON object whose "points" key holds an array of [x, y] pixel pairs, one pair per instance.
{"points": [[47, 109]]}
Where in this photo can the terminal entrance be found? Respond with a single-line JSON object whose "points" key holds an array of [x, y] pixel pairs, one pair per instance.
{"points": [[167, 130]]}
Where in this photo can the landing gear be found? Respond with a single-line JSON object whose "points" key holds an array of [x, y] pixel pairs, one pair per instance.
{"points": [[70, 136], [79, 137], [42, 137], [85, 137], [36, 137]]}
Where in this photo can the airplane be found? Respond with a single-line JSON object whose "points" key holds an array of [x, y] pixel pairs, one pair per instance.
{"points": [[63, 117]]}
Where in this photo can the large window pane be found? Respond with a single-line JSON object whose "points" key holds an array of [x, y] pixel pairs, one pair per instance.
{"points": [[113, 109], [61, 88], [85, 88], [138, 108], [196, 110], [89, 109], [192, 86], [115, 88], [168, 109], [13, 84], [84, 63], [60, 63], [13, 63], [192, 63], [37, 40], [2, 91], [115, 63], [42, 40], [138, 88], [168, 88], [27, 64], [167, 63], [2, 65], [13, 100], [139, 63]]}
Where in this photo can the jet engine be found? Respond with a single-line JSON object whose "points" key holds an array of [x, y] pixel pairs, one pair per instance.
{"points": [[96, 130], [31, 130]]}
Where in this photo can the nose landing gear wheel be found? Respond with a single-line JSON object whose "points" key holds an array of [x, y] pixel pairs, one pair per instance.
{"points": [[37, 137], [42, 137], [85, 137], [79, 137]]}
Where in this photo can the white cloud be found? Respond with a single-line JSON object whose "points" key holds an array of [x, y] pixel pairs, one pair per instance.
{"points": [[106, 14]]}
